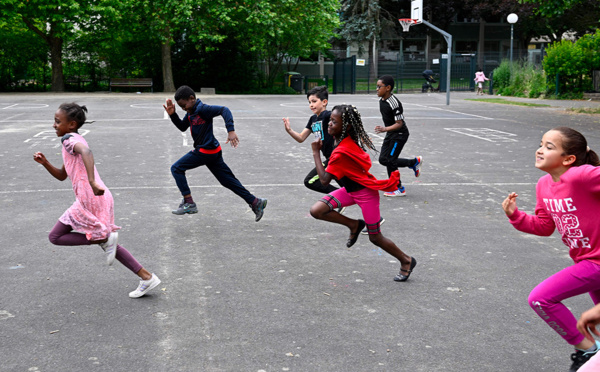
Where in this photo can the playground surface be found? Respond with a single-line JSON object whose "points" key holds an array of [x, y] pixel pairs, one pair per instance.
{"points": [[283, 294]]}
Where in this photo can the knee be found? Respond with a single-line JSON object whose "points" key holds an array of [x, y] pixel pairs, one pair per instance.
{"points": [[318, 210], [384, 161], [376, 239], [538, 301], [53, 238], [175, 169]]}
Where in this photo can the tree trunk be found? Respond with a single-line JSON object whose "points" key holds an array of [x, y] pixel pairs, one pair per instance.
{"points": [[58, 80], [167, 69]]}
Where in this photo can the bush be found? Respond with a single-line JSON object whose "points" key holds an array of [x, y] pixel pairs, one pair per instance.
{"points": [[520, 79]]}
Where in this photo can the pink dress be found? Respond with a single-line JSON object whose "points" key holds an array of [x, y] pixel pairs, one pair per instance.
{"points": [[90, 214]]}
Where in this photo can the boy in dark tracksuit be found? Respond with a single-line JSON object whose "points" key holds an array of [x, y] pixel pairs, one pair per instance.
{"points": [[396, 134], [207, 150]]}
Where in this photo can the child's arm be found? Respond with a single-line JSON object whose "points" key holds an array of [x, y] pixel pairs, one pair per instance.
{"points": [[170, 109], [324, 177], [392, 128], [299, 137], [540, 224], [59, 174], [88, 161], [510, 204], [588, 321]]}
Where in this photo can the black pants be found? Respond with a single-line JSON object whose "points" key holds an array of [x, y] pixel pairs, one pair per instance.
{"points": [[313, 182], [393, 143]]}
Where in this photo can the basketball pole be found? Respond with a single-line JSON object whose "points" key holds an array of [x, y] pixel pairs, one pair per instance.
{"points": [[448, 38]]}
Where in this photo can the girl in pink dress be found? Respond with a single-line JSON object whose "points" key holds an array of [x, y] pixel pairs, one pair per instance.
{"points": [[568, 200], [92, 213]]}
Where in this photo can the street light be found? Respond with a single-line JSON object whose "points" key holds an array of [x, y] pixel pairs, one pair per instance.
{"points": [[512, 19]]}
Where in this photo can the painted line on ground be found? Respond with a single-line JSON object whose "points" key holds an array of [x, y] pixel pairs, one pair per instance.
{"points": [[430, 184]]}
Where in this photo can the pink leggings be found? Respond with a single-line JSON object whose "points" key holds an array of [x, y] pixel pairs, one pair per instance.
{"points": [[367, 200], [62, 234], [545, 299]]}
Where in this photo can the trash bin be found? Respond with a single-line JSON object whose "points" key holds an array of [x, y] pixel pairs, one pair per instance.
{"points": [[294, 80]]}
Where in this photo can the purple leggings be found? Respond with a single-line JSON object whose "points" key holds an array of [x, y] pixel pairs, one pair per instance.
{"points": [[62, 234], [545, 299]]}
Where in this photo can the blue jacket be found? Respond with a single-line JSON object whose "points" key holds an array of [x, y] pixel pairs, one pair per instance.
{"points": [[201, 124]]}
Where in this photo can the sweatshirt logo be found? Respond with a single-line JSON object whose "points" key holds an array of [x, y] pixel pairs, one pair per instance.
{"points": [[567, 223], [196, 120]]}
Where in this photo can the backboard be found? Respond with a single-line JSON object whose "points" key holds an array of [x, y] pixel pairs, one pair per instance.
{"points": [[416, 10]]}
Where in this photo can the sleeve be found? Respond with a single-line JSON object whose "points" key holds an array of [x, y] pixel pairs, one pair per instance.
{"points": [[68, 142], [208, 111], [311, 120], [182, 125], [335, 165], [540, 224]]}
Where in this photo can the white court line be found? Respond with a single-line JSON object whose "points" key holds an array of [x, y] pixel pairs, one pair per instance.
{"points": [[272, 185], [14, 116], [8, 107]]}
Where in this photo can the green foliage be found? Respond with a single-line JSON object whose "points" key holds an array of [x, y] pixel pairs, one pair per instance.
{"points": [[573, 63], [519, 79]]}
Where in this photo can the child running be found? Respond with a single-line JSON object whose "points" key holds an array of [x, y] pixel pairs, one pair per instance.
{"points": [[586, 324], [207, 150], [92, 212], [480, 79], [396, 134], [568, 199], [349, 164]]}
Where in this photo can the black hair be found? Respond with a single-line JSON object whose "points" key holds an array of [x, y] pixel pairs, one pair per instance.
{"points": [[352, 126], [74, 112], [320, 91], [387, 80], [574, 143], [184, 92]]}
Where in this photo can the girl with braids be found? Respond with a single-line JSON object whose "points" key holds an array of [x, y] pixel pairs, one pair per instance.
{"points": [[92, 213], [349, 164], [568, 199]]}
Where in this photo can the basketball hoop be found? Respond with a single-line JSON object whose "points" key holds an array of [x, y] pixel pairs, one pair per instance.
{"points": [[406, 23]]}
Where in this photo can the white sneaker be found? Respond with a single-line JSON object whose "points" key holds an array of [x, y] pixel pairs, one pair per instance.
{"points": [[145, 287], [110, 247]]}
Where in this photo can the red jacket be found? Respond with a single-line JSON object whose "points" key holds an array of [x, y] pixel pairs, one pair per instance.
{"points": [[349, 160]]}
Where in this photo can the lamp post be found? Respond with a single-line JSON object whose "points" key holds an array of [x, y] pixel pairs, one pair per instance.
{"points": [[512, 19]]}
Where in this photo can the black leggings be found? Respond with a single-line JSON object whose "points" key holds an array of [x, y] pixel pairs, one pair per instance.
{"points": [[393, 144]]}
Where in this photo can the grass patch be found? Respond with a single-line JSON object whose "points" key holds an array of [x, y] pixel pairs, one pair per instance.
{"points": [[585, 110], [505, 102]]}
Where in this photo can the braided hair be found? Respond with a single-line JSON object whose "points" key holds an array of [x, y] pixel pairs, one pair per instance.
{"points": [[352, 126], [74, 112]]}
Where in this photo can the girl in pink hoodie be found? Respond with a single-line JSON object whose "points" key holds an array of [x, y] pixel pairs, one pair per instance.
{"points": [[568, 199]]}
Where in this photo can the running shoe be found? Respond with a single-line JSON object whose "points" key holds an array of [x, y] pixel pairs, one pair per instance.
{"points": [[110, 247], [417, 167], [400, 192], [259, 208], [580, 357], [366, 229], [186, 208], [145, 287]]}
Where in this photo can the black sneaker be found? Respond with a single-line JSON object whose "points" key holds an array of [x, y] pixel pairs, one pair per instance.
{"points": [[259, 208], [366, 230], [580, 357], [186, 208]]}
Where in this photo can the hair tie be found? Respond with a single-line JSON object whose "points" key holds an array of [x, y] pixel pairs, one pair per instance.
{"points": [[588, 149]]}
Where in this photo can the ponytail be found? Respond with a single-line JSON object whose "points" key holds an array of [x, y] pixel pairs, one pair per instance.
{"points": [[574, 143]]}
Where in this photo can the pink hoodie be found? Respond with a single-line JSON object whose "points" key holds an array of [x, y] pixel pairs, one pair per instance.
{"points": [[571, 205]]}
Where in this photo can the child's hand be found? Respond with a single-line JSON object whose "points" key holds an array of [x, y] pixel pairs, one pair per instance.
{"points": [[379, 129], [316, 145], [169, 107], [510, 204], [286, 123], [98, 190], [40, 158], [587, 322], [233, 138]]}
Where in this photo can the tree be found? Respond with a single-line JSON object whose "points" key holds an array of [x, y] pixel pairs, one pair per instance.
{"points": [[278, 30], [57, 22]]}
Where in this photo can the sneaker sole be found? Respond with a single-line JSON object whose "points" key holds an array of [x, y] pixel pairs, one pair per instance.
{"points": [[110, 259], [262, 211], [185, 212], [418, 171]]}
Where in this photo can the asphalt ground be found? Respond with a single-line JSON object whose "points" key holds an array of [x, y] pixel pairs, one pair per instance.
{"points": [[283, 294]]}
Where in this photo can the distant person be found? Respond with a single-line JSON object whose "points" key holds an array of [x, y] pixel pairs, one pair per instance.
{"points": [[207, 150], [480, 79], [568, 199], [92, 214], [349, 164], [396, 134]]}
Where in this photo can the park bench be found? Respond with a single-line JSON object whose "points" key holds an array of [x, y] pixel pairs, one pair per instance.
{"points": [[131, 83]]}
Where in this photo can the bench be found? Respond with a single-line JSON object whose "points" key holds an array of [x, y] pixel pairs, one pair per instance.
{"points": [[131, 83]]}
